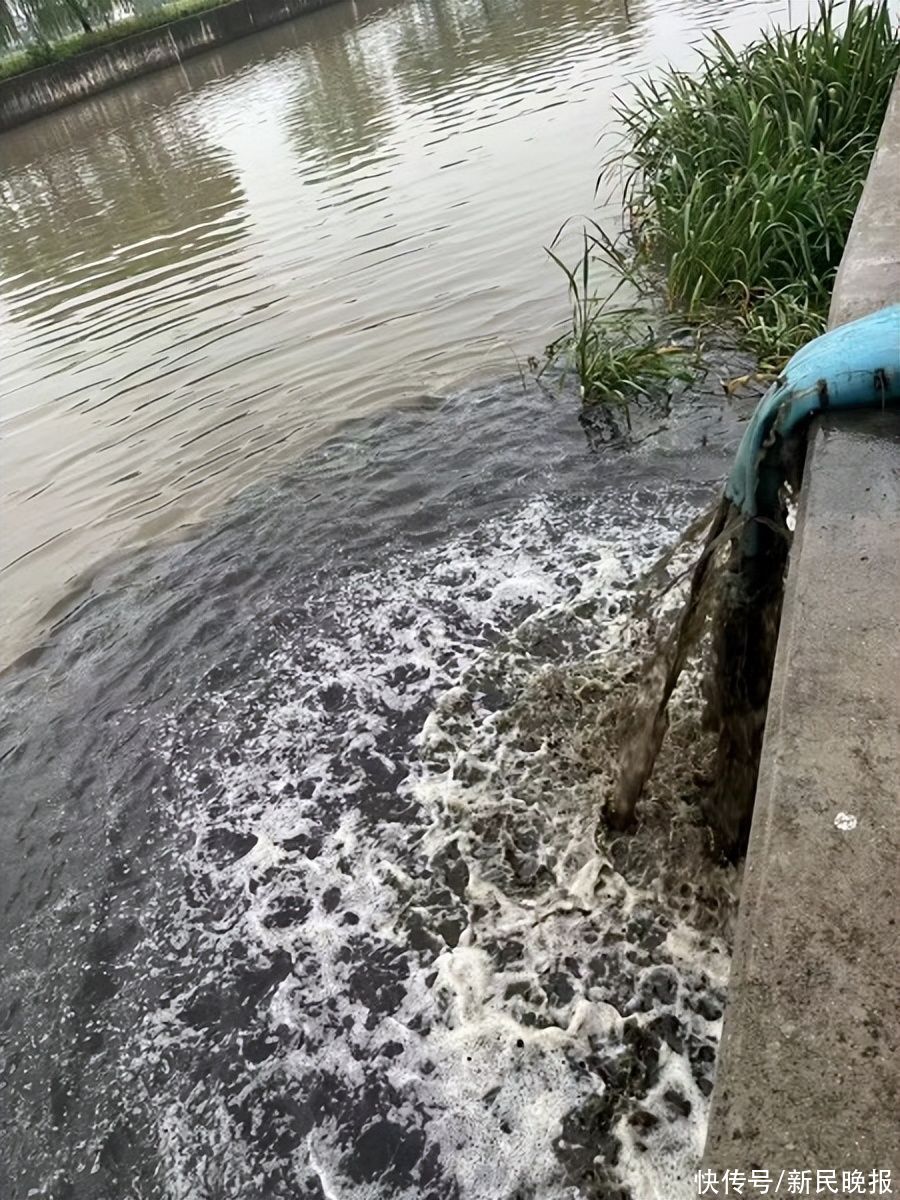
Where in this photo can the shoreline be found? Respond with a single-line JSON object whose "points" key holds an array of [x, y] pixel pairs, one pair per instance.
{"points": [[32, 94]]}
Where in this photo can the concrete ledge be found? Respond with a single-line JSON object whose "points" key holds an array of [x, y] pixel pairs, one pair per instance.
{"points": [[809, 1067], [869, 274], [35, 93]]}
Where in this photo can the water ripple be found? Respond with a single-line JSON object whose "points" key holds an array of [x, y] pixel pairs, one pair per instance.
{"points": [[331, 217]]}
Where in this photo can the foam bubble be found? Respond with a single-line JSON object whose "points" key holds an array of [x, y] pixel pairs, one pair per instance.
{"points": [[405, 963]]}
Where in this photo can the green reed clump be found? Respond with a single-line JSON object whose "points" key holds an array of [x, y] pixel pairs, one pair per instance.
{"points": [[613, 350], [748, 171]]}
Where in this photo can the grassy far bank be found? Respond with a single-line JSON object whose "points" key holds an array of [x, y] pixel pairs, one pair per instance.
{"points": [[47, 51], [743, 178]]}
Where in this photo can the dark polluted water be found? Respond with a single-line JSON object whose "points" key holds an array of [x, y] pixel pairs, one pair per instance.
{"points": [[302, 888]]}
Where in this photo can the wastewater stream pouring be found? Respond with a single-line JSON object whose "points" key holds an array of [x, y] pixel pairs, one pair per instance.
{"points": [[856, 365]]}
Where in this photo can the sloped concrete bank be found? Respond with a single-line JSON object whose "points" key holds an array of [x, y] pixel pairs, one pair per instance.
{"points": [[35, 93], [809, 1067]]}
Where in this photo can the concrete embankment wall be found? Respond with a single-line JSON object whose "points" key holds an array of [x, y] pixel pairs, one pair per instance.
{"points": [[809, 1067], [47, 88]]}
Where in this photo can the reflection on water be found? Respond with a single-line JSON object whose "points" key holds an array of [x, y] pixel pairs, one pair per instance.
{"points": [[206, 271], [25, 24]]}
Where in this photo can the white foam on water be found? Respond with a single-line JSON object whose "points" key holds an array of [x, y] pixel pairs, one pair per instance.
{"points": [[406, 965]]}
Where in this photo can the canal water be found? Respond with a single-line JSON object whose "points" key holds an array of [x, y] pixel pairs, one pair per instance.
{"points": [[204, 273], [321, 613]]}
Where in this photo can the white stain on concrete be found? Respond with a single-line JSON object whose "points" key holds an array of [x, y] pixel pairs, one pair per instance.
{"points": [[845, 822]]}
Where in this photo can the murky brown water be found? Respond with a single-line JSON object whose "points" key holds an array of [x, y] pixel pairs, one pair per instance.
{"points": [[205, 272]]}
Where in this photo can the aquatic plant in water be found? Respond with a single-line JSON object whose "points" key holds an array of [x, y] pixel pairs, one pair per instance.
{"points": [[614, 351], [742, 179], [747, 172]]}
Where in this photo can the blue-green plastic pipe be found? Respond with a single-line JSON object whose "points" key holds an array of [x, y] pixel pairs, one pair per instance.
{"points": [[854, 366]]}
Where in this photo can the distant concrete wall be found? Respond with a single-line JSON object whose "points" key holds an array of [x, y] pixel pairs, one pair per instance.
{"points": [[809, 1067], [47, 88]]}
